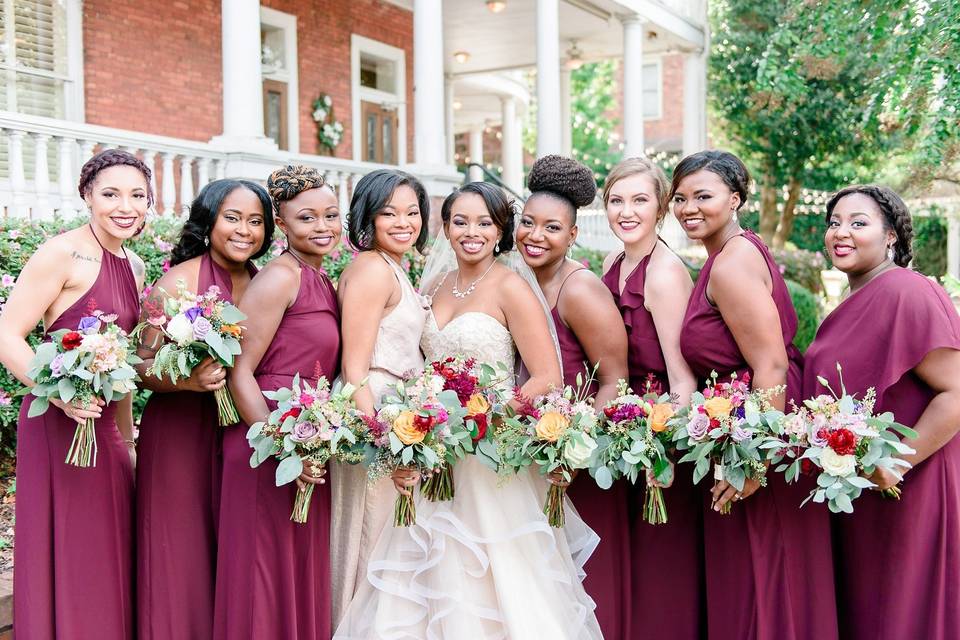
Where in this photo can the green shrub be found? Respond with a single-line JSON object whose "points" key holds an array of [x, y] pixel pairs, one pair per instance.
{"points": [[801, 266], [930, 245], [807, 306], [590, 258]]}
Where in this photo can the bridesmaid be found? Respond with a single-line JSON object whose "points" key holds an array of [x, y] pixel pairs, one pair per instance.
{"points": [[382, 318], [180, 440], [273, 575], [898, 562], [589, 331], [74, 526], [768, 563], [652, 286]]}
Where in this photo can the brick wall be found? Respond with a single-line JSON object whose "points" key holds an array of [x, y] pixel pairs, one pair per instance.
{"points": [[157, 68], [666, 132]]}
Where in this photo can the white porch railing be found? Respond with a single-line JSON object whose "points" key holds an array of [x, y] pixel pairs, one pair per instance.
{"points": [[43, 157]]}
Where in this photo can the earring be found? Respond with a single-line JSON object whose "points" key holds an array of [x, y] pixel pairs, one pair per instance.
{"points": [[206, 241], [736, 218], [890, 253]]}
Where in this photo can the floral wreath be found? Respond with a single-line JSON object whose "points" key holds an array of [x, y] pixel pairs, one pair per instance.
{"points": [[329, 129]]}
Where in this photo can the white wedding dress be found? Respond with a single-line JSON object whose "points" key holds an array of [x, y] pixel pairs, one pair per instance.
{"points": [[485, 565]]}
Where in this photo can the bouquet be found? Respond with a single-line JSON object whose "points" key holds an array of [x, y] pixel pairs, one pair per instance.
{"points": [[841, 436], [416, 422], [474, 385], [94, 361], [725, 426], [557, 433], [634, 437], [310, 425], [197, 326]]}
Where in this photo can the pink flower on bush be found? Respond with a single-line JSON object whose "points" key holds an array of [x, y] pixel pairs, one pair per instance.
{"points": [[14, 234], [5, 400], [7, 280]]}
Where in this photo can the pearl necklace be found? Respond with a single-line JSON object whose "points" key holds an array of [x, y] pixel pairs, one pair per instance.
{"points": [[457, 293]]}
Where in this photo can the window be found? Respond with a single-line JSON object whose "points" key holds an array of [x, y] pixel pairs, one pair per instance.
{"points": [[379, 101], [278, 60], [651, 90]]}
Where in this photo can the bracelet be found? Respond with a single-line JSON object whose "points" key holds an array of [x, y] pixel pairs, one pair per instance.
{"points": [[130, 443]]}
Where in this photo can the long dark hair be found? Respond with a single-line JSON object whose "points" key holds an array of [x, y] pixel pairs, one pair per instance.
{"points": [[203, 216], [371, 194], [896, 216]]}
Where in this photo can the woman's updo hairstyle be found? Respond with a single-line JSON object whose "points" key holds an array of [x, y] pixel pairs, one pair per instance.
{"points": [[371, 194], [500, 207], [896, 216], [194, 237], [727, 166], [112, 158], [565, 179], [290, 181], [640, 166]]}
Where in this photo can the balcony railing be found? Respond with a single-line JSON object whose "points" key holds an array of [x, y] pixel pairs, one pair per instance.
{"points": [[41, 158]]}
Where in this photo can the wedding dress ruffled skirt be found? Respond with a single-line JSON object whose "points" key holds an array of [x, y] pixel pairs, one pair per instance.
{"points": [[484, 566]]}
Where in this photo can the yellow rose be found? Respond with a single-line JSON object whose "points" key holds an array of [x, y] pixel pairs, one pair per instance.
{"points": [[477, 404], [551, 426], [403, 427], [659, 414], [718, 407]]}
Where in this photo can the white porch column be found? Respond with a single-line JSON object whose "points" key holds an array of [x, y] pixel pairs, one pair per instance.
{"points": [[449, 136], [41, 177], [242, 78], [66, 181], [428, 91], [510, 140], [548, 78], [18, 181], [632, 86], [694, 102], [953, 246], [566, 121], [476, 153]]}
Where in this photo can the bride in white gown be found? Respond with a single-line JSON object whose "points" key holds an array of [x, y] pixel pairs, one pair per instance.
{"points": [[485, 565]]}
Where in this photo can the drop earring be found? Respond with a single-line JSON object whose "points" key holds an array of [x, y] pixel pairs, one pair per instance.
{"points": [[890, 253], [735, 217]]}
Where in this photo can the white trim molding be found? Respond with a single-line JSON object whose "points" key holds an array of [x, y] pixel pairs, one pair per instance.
{"points": [[360, 45], [287, 23]]}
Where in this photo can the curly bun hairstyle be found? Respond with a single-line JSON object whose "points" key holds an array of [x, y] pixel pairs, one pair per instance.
{"points": [[896, 216], [565, 179], [501, 208], [112, 158], [195, 234], [371, 194], [640, 166], [724, 164], [290, 181]]}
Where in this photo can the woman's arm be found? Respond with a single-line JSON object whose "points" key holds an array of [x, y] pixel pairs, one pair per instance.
{"points": [[666, 295], [268, 296], [587, 307], [368, 291], [527, 323]]}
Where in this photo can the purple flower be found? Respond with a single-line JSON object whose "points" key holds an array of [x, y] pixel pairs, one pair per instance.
{"points": [[7, 280], [192, 314], [626, 412], [304, 432], [201, 327], [89, 324], [56, 365], [699, 426], [739, 433]]}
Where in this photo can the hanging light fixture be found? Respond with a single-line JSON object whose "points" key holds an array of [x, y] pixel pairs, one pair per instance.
{"points": [[496, 6], [461, 56], [574, 57]]}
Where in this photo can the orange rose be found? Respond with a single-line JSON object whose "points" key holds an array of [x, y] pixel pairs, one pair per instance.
{"points": [[660, 413], [405, 429], [551, 426], [718, 407], [231, 329], [477, 404]]}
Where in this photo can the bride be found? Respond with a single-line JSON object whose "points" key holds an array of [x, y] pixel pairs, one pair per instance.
{"points": [[485, 565]]}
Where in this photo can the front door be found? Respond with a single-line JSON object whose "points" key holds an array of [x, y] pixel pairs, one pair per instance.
{"points": [[379, 139]]}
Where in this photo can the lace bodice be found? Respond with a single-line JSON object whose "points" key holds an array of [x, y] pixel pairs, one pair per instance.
{"points": [[471, 335]]}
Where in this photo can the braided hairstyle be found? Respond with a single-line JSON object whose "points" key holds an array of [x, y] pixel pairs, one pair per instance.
{"points": [[896, 216], [112, 158], [724, 164], [500, 207], [292, 180], [195, 234], [564, 179]]}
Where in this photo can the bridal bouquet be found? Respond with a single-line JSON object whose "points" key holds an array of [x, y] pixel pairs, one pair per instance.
{"points": [[842, 437], [556, 433], [94, 361], [633, 439], [197, 326], [474, 384], [724, 426], [310, 425], [413, 427]]}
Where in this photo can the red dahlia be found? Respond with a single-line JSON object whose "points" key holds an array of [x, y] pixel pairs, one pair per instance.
{"points": [[71, 340], [481, 421], [843, 442], [423, 424], [292, 413]]}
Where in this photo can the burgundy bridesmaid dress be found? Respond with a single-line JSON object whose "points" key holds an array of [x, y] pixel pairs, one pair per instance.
{"points": [[898, 562], [666, 563], [273, 575], [604, 511], [178, 496], [73, 560], [769, 570]]}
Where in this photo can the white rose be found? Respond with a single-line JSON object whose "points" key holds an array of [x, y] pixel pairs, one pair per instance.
{"points": [[389, 412], [577, 453], [837, 465], [180, 329]]}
